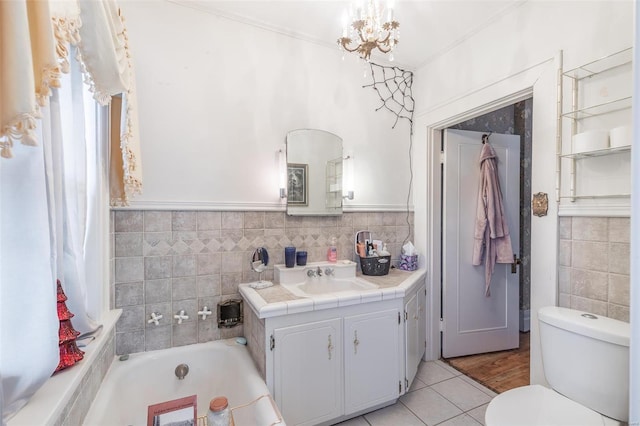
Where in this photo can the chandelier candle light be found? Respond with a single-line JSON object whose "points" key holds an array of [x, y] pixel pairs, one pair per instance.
{"points": [[368, 30]]}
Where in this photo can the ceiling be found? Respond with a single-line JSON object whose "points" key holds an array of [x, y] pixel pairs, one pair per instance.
{"points": [[427, 27]]}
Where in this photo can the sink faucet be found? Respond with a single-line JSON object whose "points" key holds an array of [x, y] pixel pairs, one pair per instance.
{"points": [[319, 272]]}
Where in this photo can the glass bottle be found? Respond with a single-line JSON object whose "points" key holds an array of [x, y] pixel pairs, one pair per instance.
{"points": [[218, 414]]}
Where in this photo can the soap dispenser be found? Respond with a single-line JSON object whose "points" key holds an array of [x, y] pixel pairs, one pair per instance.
{"points": [[332, 251]]}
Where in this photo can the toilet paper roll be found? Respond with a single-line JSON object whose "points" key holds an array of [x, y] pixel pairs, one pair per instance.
{"points": [[620, 136], [591, 140]]}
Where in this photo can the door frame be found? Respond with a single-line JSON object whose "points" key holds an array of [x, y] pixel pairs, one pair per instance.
{"points": [[540, 82]]}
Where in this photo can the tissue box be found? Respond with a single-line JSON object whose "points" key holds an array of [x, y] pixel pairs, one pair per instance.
{"points": [[408, 263], [377, 265]]}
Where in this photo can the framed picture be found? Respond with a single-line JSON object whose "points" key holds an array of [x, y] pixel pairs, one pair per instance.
{"points": [[298, 187], [178, 412]]}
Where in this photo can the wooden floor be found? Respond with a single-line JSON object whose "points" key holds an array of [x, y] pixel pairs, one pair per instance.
{"points": [[499, 371]]}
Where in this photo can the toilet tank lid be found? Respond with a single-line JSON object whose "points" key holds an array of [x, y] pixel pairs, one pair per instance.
{"points": [[587, 324]]}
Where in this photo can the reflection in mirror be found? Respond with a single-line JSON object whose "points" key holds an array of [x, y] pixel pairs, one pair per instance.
{"points": [[259, 261], [314, 173]]}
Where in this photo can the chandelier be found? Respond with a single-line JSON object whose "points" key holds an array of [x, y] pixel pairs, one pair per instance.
{"points": [[369, 30]]}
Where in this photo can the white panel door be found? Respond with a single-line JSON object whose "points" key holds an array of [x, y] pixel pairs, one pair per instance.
{"points": [[371, 359], [473, 323], [308, 372]]}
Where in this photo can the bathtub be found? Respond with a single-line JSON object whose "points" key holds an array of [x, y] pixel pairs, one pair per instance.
{"points": [[215, 368]]}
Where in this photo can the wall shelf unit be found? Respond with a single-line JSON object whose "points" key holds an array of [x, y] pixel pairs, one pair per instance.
{"points": [[597, 153], [599, 98]]}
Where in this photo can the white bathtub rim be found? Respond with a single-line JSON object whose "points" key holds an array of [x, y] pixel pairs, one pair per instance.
{"points": [[47, 405], [118, 372]]}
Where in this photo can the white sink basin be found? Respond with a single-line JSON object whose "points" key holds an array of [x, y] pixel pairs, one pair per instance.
{"points": [[323, 285]]}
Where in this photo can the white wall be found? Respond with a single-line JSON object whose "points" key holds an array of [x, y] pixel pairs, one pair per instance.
{"points": [[217, 97], [515, 56]]}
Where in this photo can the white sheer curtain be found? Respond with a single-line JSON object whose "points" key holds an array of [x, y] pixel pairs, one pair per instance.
{"points": [[28, 318], [45, 189], [69, 166], [59, 192]]}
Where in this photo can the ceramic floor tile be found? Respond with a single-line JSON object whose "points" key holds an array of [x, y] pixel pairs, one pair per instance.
{"points": [[448, 367], [357, 421], [461, 420], [431, 407], [394, 415], [431, 372], [417, 384], [478, 385], [478, 413], [461, 393]]}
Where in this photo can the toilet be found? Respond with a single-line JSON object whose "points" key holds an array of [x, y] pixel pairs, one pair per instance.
{"points": [[586, 362]]}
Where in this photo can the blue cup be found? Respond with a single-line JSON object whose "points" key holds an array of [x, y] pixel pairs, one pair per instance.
{"points": [[301, 258], [289, 257]]}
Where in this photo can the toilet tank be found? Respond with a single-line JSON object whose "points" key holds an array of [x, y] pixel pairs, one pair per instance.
{"points": [[586, 358]]}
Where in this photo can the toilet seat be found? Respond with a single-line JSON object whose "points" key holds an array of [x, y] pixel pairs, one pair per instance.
{"points": [[537, 405]]}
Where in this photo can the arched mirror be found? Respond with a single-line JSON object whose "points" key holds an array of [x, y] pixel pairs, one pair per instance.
{"points": [[314, 173]]}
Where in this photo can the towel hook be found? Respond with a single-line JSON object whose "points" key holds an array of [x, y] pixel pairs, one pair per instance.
{"points": [[485, 137]]}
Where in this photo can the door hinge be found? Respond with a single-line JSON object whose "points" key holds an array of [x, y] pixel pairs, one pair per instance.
{"points": [[406, 315], [441, 157], [441, 324], [406, 385], [399, 387], [272, 342], [398, 317]]}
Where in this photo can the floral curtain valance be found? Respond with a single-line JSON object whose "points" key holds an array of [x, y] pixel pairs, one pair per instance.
{"points": [[36, 37]]}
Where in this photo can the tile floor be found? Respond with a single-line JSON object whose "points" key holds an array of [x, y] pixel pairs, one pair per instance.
{"points": [[439, 395]]}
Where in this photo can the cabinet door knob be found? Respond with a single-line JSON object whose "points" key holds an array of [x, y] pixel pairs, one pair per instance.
{"points": [[356, 342]]}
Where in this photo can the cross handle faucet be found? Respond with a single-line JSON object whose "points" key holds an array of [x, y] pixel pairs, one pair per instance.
{"points": [[180, 316]]}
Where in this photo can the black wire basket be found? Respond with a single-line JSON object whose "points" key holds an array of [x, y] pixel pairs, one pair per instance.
{"points": [[377, 265]]}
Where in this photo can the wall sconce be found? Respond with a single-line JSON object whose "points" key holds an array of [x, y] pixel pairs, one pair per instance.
{"points": [[282, 171], [347, 177]]}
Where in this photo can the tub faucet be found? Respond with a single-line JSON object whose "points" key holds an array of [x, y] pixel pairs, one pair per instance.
{"points": [[154, 318], [181, 371], [181, 316], [319, 271]]}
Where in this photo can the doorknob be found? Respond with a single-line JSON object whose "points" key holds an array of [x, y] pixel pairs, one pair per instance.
{"points": [[514, 266]]}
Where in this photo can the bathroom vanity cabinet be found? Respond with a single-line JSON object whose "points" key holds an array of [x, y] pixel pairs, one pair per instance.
{"points": [[344, 357], [340, 365]]}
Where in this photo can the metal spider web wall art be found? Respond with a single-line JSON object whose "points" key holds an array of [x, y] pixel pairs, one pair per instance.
{"points": [[393, 86]]}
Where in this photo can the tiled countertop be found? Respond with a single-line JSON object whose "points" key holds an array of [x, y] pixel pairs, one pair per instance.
{"points": [[277, 300]]}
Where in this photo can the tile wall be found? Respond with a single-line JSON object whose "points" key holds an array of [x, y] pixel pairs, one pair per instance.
{"points": [[167, 261], [593, 273], [80, 402]]}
